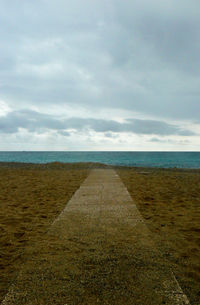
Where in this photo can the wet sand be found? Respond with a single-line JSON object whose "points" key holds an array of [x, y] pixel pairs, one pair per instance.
{"points": [[32, 196]]}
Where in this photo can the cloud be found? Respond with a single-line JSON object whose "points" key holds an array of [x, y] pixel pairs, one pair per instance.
{"points": [[64, 133], [38, 122], [141, 56], [133, 57], [157, 127], [172, 141]]}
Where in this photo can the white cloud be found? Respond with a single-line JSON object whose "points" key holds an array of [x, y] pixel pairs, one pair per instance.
{"points": [[4, 108]]}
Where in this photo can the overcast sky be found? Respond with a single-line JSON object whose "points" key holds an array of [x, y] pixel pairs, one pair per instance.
{"points": [[99, 75]]}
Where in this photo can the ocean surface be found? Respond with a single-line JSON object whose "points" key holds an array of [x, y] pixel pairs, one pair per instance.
{"points": [[150, 159]]}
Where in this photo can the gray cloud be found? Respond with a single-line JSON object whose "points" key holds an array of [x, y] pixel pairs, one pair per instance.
{"points": [[37, 122], [64, 133], [141, 56], [136, 56], [159, 140], [157, 127], [30, 120]]}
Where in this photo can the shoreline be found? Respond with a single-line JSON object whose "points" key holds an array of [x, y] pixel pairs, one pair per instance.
{"points": [[89, 165]]}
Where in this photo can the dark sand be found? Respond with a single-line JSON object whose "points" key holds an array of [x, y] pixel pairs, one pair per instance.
{"points": [[169, 201], [32, 196]]}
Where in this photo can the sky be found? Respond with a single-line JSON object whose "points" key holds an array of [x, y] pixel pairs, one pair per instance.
{"points": [[100, 75]]}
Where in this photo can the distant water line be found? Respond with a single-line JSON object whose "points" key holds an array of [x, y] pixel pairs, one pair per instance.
{"points": [[138, 159]]}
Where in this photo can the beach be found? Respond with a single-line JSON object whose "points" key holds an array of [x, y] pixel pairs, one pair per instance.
{"points": [[32, 196], [169, 201]]}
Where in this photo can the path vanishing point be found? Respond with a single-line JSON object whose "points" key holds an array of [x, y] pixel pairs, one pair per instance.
{"points": [[98, 251]]}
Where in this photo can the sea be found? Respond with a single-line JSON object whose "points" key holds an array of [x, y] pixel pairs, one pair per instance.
{"points": [[136, 159]]}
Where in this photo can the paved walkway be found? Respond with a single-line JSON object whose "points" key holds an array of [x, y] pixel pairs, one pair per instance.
{"points": [[98, 251]]}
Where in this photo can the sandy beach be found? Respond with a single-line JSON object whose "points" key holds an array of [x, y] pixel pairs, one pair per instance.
{"points": [[169, 201], [32, 196]]}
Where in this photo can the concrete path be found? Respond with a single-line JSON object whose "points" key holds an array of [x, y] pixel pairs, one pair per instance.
{"points": [[98, 251]]}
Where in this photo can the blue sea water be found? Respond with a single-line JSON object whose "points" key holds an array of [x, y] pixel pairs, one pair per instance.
{"points": [[150, 159]]}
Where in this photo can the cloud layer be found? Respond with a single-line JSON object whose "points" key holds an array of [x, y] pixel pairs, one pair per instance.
{"points": [[38, 122], [139, 59]]}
